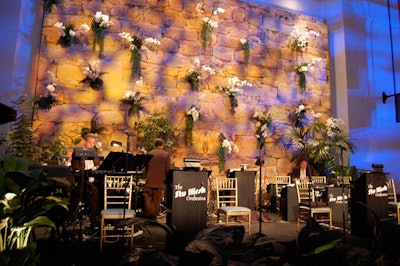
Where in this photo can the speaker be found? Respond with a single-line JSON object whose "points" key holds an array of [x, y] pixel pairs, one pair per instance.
{"points": [[397, 106], [370, 189], [186, 204]]}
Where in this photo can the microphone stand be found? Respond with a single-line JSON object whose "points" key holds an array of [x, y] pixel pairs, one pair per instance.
{"points": [[308, 174], [261, 145], [343, 196], [126, 183]]}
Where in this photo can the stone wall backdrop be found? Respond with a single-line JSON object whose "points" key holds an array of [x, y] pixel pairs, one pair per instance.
{"points": [[178, 24]]}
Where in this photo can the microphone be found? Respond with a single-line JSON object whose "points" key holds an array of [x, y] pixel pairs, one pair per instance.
{"points": [[128, 132]]}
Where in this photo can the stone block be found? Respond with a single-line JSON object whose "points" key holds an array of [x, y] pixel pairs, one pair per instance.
{"points": [[223, 53], [190, 48], [111, 117]]}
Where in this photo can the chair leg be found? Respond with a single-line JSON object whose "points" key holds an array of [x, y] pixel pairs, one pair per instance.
{"points": [[101, 234], [398, 214], [330, 220], [250, 222]]}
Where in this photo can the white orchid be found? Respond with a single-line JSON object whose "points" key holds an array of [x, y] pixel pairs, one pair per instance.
{"points": [[194, 113]]}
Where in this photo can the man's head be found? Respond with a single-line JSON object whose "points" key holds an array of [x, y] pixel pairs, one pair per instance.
{"points": [[159, 143], [303, 164], [90, 141]]}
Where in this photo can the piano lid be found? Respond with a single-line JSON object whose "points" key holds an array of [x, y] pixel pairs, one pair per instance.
{"points": [[7, 114]]}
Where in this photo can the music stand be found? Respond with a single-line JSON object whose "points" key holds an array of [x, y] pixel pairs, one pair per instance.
{"points": [[82, 154]]}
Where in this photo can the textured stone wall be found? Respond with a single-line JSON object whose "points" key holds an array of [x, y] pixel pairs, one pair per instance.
{"points": [[177, 25]]}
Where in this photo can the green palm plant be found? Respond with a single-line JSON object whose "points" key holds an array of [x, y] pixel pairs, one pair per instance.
{"points": [[321, 141]]}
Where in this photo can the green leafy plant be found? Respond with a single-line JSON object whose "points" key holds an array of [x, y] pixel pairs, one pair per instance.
{"points": [[48, 5], [23, 206], [46, 102], [191, 116], [246, 49], [135, 103], [94, 128], [21, 133], [155, 126]]}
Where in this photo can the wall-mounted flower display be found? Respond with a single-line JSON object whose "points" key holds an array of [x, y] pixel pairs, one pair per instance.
{"points": [[264, 125], [68, 35], [136, 44], [92, 72], [300, 39], [100, 23], [226, 146], [246, 45], [208, 24], [197, 73], [135, 102], [191, 116], [46, 102], [232, 89]]}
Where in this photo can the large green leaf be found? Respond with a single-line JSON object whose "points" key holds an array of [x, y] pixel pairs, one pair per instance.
{"points": [[40, 221]]}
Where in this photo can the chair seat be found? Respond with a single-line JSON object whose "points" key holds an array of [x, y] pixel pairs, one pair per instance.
{"points": [[314, 204], [119, 212], [316, 209], [234, 209], [394, 203]]}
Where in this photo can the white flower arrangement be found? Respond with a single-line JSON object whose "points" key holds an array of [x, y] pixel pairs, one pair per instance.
{"points": [[197, 73], [246, 45], [46, 102], [136, 44], [264, 122], [133, 99], [226, 146], [304, 68], [300, 39], [100, 22], [208, 24], [233, 88], [92, 72], [200, 8], [191, 116], [230, 146], [67, 33], [194, 113], [332, 125]]}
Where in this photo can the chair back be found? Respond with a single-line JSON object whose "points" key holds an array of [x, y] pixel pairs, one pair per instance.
{"points": [[280, 181], [226, 191], [319, 179], [117, 192], [302, 190], [346, 180], [392, 197]]}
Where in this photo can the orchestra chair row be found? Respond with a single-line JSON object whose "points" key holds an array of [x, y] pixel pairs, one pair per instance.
{"points": [[308, 206], [393, 204], [117, 207], [227, 201]]}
